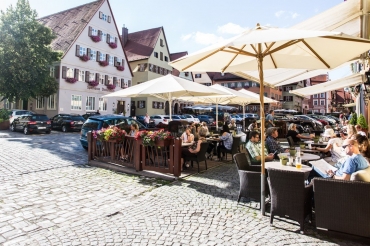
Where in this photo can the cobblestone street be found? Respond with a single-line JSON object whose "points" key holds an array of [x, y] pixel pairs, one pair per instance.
{"points": [[49, 196]]}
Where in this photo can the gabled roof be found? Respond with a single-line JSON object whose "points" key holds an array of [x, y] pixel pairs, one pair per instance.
{"points": [[175, 56], [226, 76], [68, 24]]}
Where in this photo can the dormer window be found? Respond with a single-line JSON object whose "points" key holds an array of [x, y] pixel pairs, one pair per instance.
{"points": [[104, 17], [156, 54], [162, 44]]}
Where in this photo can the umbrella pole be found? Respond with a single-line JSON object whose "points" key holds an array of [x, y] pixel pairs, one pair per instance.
{"points": [[216, 116], [262, 113], [170, 105], [243, 116]]}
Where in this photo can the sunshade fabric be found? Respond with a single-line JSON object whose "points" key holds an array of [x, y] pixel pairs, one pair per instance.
{"points": [[348, 81], [349, 105]]}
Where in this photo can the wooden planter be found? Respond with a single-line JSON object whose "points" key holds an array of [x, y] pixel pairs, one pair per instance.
{"points": [[163, 143], [4, 125]]}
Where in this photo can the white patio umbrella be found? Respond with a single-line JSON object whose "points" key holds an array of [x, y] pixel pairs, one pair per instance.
{"points": [[271, 48], [168, 87]]}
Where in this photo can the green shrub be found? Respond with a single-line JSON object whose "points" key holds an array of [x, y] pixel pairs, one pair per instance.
{"points": [[4, 114], [353, 120], [362, 121]]}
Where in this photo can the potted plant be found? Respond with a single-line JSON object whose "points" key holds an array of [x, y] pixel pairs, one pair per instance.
{"points": [[103, 63], [4, 119], [120, 68], [112, 45], [362, 122], [95, 38], [155, 138], [283, 159], [111, 86], [71, 80], [112, 134], [93, 83], [84, 58]]}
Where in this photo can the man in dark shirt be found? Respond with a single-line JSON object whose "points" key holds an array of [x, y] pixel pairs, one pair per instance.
{"points": [[271, 141]]}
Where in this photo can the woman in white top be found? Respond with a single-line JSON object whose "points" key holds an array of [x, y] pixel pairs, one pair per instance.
{"points": [[335, 147], [187, 137], [351, 131], [204, 126]]}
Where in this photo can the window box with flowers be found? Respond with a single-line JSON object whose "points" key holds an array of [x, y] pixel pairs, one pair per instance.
{"points": [[112, 45], [110, 134], [93, 83], [120, 68], [84, 58], [103, 63], [71, 80], [155, 138], [96, 38], [111, 86]]}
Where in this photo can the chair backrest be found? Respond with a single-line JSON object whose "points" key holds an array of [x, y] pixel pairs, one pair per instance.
{"points": [[201, 155], [290, 141], [173, 127], [241, 161], [236, 145]]}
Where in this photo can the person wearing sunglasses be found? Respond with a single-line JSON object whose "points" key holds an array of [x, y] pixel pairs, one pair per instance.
{"points": [[254, 148]]}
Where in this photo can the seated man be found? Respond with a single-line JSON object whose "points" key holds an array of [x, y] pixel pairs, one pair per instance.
{"points": [[271, 141], [254, 148], [353, 163]]}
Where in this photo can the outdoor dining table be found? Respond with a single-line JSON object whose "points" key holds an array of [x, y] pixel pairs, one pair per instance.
{"points": [[305, 157], [323, 144], [310, 151], [277, 165], [186, 144]]}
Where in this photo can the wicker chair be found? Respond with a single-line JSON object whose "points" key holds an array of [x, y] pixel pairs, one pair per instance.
{"points": [[235, 148], [291, 142], [289, 195], [250, 181], [200, 156], [342, 206]]}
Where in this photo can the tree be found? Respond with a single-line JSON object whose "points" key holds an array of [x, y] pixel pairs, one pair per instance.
{"points": [[362, 121], [25, 54], [353, 120]]}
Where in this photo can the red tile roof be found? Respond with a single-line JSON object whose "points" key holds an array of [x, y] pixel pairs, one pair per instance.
{"points": [[68, 24], [140, 45], [175, 56]]}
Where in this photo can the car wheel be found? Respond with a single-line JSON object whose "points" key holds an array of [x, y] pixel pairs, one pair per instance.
{"points": [[47, 132], [25, 131], [12, 127], [64, 129], [85, 147]]}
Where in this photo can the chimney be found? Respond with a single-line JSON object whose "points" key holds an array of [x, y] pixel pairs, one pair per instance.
{"points": [[124, 35]]}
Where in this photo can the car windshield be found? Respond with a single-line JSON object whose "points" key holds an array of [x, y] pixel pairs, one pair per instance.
{"points": [[22, 112], [77, 118], [39, 118], [91, 124], [166, 117], [130, 121]]}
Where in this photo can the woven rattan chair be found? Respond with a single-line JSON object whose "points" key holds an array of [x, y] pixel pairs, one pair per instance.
{"points": [[200, 156], [342, 206], [291, 142], [235, 148], [250, 181], [289, 195]]}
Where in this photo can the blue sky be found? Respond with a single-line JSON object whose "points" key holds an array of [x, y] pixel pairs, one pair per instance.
{"points": [[194, 24]]}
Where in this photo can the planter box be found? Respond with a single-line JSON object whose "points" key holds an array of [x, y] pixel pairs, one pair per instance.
{"points": [[4, 125]]}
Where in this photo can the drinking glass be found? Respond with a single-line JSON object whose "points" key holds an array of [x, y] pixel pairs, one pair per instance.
{"points": [[298, 162]]}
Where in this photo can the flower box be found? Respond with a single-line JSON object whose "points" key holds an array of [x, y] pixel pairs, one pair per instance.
{"points": [[110, 134], [84, 58], [93, 83], [96, 38], [111, 87], [103, 63], [71, 80], [120, 68], [112, 45], [155, 138]]}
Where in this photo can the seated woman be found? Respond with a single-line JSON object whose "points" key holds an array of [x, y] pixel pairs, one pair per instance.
{"points": [[187, 137], [363, 145], [195, 148], [134, 129], [292, 132], [227, 141], [335, 147], [351, 131]]}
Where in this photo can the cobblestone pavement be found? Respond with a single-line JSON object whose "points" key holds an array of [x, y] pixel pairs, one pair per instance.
{"points": [[72, 204]]}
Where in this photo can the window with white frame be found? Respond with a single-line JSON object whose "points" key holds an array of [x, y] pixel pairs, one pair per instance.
{"points": [[70, 73], [240, 84], [93, 55], [315, 103], [40, 102], [254, 84], [103, 104], [102, 57], [94, 31], [110, 80], [101, 79], [232, 84], [315, 96], [322, 95], [91, 76], [52, 72], [124, 83], [83, 51], [76, 102], [6, 104], [111, 60], [198, 75], [112, 39], [104, 17], [103, 36], [51, 102], [226, 84], [322, 102], [90, 103], [81, 76]]}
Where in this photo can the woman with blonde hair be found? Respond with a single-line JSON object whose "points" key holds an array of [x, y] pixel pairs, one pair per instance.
{"points": [[363, 145], [351, 131], [292, 132]]}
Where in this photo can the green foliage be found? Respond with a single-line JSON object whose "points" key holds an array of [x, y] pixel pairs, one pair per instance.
{"points": [[353, 120], [4, 114], [25, 54], [362, 121]]}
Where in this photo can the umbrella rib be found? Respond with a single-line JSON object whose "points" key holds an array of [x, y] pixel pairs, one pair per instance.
{"points": [[203, 58], [254, 48], [268, 48], [348, 39], [317, 55], [283, 46], [243, 52], [223, 70]]}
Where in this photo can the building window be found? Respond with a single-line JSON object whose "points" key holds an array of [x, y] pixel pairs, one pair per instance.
{"points": [[315, 96], [110, 80], [94, 32], [112, 39], [162, 43], [91, 76], [322, 102], [322, 95], [102, 57], [51, 102], [232, 84], [81, 75], [101, 79], [70, 73], [198, 75], [52, 72], [141, 104], [315, 103], [158, 105], [226, 85], [40, 102], [90, 103], [76, 102], [222, 84], [83, 51], [102, 104], [6, 104], [93, 55], [161, 56], [265, 94], [111, 60], [254, 84], [288, 98], [156, 54], [166, 58], [240, 84], [142, 67]]}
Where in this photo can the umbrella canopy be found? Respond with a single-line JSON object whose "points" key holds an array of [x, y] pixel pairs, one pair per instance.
{"points": [[168, 87], [271, 48]]}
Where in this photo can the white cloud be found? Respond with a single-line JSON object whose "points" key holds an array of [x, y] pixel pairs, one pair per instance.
{"points": [[186, 37], [279, 13], [207, 38], [230, 28], [294, 15]]}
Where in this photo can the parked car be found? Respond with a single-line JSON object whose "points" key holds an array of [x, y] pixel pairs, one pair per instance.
{"points": [[310, 123], [88, 114], [250, 116], [206, 118], [67, 122], [318, 118], [160, 119], [190, 118], [178, 117], [140, 118], [31, 123], [98, 122], [16, 113], [237, 118]]}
